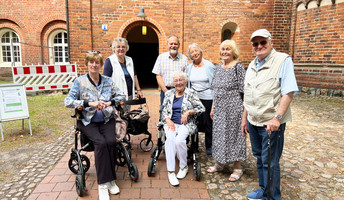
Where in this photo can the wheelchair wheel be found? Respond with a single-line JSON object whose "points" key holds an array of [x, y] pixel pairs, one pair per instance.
{"points": [[151, 167], [73, 164], [197, 171], [80, 185], [145, 145], [120, 155], [133, 172]]}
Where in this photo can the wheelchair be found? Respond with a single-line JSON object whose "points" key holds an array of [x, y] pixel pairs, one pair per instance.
{"points": [[79, 163], [192, 145]]}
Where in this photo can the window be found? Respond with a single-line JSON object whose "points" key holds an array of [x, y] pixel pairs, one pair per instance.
{"points": [[59, 51], [9, 52], [227, 35], [228, 31]]}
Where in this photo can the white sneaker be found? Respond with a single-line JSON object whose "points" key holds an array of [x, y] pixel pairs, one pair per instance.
{"points": [[182, 172], [103, 192], [173, 179], [113, 188]]}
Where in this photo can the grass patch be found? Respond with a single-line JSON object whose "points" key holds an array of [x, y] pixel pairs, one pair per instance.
{"points": [[5, 82], [49, 119]]}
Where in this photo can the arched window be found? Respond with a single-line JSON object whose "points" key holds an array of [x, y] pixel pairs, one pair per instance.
{"points": [[228, 31], [59, 51], [10, 47]]}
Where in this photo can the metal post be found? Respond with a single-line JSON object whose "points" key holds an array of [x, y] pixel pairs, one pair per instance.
{"points": [[40, 56], [2, 133], [67, 22]]}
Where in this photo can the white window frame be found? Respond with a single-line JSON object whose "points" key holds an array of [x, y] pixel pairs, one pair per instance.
{"points": [[3, 63], [52, 44]]}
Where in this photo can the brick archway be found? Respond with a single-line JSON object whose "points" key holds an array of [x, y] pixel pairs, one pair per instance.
{"points": [[144, 50], [149, 22]]}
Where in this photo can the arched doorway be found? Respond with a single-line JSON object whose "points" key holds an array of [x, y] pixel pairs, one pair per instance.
{"points": [[144, 49]]}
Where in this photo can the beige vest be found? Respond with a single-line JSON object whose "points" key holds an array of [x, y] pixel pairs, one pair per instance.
{"points": [[263, 90]]}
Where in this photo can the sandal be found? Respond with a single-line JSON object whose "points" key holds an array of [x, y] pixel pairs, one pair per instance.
{"points": [[215, 168], [236, 175]]}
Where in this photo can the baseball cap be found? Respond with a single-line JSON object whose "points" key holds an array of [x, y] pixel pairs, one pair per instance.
{"points": [[262, 33]]}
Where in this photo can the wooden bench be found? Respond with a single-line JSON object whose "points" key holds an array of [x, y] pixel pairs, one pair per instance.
{"points": [[45, 77]]}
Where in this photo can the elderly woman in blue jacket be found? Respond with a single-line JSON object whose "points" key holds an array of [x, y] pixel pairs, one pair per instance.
{"points": [[181, 107], [97, 95], [200, 73]]}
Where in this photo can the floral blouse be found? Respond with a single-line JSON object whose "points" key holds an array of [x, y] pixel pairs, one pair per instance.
{"points": [[190, 102]]}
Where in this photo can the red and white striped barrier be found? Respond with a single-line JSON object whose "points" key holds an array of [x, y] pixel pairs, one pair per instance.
{"points": [[45, 77]]}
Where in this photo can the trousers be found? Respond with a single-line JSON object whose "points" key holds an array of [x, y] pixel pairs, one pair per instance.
{"points": [[259, 144], [175, 144], [104, 141]]}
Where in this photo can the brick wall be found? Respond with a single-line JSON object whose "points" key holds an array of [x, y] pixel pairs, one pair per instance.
{"points": [[193, 20], [312, 36], [319, 35], [33, 21], [317, 45]]}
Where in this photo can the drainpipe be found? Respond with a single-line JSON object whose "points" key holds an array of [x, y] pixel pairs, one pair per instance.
{"points": [[67, 22], [183, 26], [91, 24]]}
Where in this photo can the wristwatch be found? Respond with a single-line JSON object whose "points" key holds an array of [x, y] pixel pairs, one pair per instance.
{"points": [[279, 117]]}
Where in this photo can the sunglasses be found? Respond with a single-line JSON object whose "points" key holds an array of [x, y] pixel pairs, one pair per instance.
{"points": [[255, 44], [97, 52]]}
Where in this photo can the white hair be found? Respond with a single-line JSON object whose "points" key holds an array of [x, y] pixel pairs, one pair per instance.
{"points": [[180, 74]]}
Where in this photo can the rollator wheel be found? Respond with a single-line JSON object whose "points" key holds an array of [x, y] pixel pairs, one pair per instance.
{"points": [[80, 185], [151, 167], [197, 171], [73, 164], [145, 145], [120, 155], [133, 172]]}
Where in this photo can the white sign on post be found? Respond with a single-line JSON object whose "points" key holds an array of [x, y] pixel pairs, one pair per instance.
{"points": [[13, 104]]}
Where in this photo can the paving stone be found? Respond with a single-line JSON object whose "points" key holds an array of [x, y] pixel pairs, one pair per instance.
{"points": [[311, 163]]}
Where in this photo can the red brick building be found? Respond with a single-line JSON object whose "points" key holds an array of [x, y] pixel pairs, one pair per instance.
{"points": [[311, 31]]}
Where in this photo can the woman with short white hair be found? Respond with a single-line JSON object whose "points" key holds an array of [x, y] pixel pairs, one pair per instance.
{"points": [[121, 68], [181, 107]]}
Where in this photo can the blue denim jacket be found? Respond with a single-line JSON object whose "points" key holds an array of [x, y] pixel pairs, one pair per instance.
{"points": [[84, 91]]}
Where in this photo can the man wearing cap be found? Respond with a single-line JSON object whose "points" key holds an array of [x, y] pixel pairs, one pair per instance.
{"points": [[270, 84], [167, 63]]}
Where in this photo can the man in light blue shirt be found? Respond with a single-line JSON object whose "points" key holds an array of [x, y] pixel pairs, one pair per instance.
{"points": [[270, 85], [167, 63]]}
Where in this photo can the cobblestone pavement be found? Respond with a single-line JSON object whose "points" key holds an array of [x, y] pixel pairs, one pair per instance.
{"points": [[38, 167], [312, 163]]}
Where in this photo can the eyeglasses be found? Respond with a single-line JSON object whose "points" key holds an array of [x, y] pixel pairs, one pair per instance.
{"points": [[97, 52], [255, 44]]}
